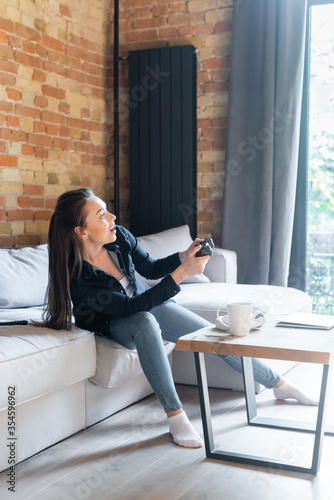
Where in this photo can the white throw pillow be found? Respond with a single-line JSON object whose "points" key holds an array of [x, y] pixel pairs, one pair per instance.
{"points": [[166, 243], [23, 276]]}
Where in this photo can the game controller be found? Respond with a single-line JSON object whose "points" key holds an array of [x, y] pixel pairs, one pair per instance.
{"points": [[207, 247]]}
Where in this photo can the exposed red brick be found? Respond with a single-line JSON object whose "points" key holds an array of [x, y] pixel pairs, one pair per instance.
{"points": [[62, 143], [37, 202], [41, 51], [8, 66], [52, 129], [27, 150], [33, 189], [13, 121], [6, 25], [49, 116], [53, 68], [177, 7], [64, 10], [13, 94], [223, 26], [24, 201], [75, 75], [28, 47], [3, 37], [220, 122], [204, 216], [77, 52], [203, 145], [7, 241], [39, 139], [20, 214], [27, 111], [24, 240], [97, 81], [204, 123], [92, 46], [6, 52], [76, 123], [85, 159], [85, 136], [13, 135], [215, 87], [53, 92], [39, 127], [26, 32], [8, 161], [27, 59], [213, 63], [151, 22], [42, 215], [64, 131], [52, 43], [41, 101], [50, 203], [64, 108], [212, 133], [41, 152], [38, 75], [6, 79], [85, 113]]}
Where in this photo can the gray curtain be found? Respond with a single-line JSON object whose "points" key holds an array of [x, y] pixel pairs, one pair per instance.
{"points": [[268, 45]]}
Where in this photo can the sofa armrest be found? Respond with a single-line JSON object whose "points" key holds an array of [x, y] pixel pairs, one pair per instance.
{"points": [[222, 267]]}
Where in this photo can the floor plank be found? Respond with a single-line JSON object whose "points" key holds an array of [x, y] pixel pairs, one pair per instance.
{"points": [[131, 455]]}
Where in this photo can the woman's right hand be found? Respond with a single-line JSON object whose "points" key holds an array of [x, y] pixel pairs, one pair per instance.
{"points": [[190, 266]]}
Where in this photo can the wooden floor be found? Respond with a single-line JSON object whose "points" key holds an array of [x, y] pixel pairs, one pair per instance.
{"points": [[131, 455]]}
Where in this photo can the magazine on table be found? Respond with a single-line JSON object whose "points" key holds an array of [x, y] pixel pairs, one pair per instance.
{"points": [[307, 320]]}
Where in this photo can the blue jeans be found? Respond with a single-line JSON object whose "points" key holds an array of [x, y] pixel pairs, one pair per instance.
{"points": [[145, 331]]}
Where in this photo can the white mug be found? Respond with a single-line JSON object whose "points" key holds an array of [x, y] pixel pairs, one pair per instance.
{"points": [[240, 316]]}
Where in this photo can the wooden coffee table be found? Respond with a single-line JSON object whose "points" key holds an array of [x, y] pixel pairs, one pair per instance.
{"points": [[270, 341]]}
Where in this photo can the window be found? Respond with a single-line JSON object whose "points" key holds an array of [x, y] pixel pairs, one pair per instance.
{"points": [[320, 158]]}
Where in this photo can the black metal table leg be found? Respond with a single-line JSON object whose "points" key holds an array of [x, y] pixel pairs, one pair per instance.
{"points": [[254, 419], [204, 402]]}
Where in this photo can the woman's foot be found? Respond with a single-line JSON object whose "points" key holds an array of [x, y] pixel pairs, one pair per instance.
{"points": [[287, 390], [183, 432]]}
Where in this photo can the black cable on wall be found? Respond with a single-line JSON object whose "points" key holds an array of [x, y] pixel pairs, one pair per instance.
{"points": [[116, 114]]}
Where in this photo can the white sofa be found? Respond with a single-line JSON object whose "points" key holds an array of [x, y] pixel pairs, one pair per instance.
{"points": [[64, 381]]}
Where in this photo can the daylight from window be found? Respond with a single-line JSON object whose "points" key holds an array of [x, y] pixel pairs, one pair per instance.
{"points": [[320, 240]]}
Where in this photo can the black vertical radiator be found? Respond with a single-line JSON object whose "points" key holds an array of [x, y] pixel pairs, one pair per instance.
{"points": [[162, 139]]}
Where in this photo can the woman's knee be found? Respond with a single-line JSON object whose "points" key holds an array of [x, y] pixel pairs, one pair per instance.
{"points": [[146, 324]]}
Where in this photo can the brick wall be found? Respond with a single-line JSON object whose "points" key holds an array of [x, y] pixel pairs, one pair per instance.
{"points": [[53, 117], [52, 109], [206, 24]]}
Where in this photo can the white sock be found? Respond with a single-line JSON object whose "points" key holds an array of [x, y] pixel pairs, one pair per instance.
{"points": [[183, 432], [288, 390]]}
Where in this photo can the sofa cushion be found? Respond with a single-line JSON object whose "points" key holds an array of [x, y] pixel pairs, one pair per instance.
{"points": [[38, 360], [23, 276], [115, 363], [205, 299], [166, 243]]}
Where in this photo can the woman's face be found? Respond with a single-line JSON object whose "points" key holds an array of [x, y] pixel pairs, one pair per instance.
{"points": [[99, 226]]}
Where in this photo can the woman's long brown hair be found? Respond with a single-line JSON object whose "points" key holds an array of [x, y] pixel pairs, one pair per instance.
{"points": [[65, 256]]}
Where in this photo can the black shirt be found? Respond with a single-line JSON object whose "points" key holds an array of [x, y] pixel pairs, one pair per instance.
{"points": [[97, 296]]}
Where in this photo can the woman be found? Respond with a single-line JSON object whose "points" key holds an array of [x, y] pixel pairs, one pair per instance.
{"points": [[92, 265]]}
